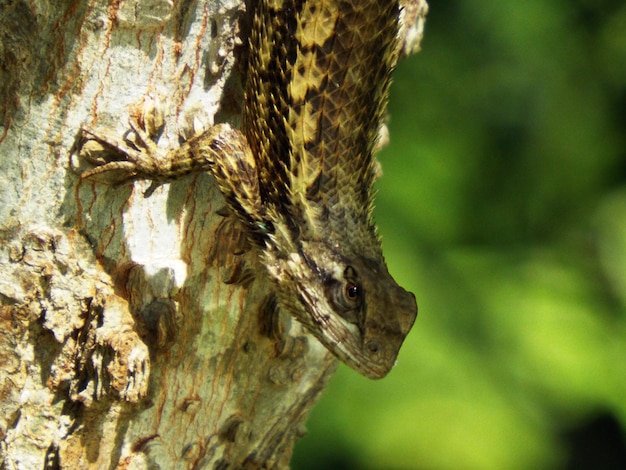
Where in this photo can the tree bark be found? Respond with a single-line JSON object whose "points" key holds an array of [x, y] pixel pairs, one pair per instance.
{"points": [[135, 332]]}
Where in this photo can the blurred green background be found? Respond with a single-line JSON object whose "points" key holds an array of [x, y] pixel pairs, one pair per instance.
{"points": [[503, 208]]}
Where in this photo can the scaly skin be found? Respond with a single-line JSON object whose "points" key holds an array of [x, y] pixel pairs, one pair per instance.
{"points": [[300, 173]]}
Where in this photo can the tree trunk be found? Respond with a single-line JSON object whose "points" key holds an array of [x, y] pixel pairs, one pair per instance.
{"points": [[135, 332]]}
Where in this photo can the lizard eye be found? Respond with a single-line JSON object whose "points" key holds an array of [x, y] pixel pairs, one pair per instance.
{"points": [[346, 299], [346, 295], [352, 292]]}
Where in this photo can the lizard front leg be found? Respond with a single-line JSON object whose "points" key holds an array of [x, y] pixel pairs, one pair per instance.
{"points": [[221, 150]]}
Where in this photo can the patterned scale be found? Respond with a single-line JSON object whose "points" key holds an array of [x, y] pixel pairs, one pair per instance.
{"points": [[322, 100]]}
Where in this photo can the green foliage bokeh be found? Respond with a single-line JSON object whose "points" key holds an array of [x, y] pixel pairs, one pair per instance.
{"points": [[503, 208]]}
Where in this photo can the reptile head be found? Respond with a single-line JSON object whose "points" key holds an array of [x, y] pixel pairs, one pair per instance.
{"points": [[351, 304]]}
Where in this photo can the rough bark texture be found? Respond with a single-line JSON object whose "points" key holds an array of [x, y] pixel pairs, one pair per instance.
{"points": [[135, 332]]}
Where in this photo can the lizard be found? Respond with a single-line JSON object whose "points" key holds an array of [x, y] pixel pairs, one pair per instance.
{"points": [[300, 172]]}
